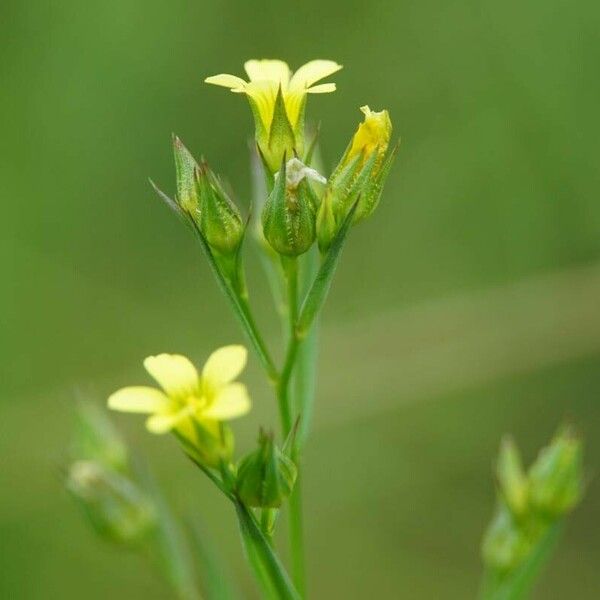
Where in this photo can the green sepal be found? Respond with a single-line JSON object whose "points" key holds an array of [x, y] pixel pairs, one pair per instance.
{"points": [[374, 188], [358, 186], [219, 219], [326, 225], [282, 140], [185, 167]]}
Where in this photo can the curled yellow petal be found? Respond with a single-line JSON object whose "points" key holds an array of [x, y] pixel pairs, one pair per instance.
{"points": [[138, 399], [313, 71], [224, 365], [232, 401], [174, 373], [228, 81], [372, 134], [323, 88]]}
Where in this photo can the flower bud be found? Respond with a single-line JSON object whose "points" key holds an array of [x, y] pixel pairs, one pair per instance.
{"points": [[505, 545], [555, 479], [288, 217], [185, 166], [266, 476], [117, 509], [96, 439], [363, 169], [219, 218], [511, 477]]}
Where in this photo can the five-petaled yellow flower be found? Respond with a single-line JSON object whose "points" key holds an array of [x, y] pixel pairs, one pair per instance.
{"points": [[187, 399], [279, 130]]}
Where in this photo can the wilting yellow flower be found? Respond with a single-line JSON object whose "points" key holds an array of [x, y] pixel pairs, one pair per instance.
{"points": [[188, 399], [279, 131], [372, 134]]}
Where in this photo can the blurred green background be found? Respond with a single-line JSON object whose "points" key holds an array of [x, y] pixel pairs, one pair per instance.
{"points": [[469, 306]]}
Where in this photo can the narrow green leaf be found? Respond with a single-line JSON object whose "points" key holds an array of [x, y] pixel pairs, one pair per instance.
{"points": [[172, 204], [271, 573], [317, 294]]}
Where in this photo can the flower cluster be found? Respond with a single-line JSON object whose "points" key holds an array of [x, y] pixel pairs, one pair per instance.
{"points": [[531, 504], [300, 210]]}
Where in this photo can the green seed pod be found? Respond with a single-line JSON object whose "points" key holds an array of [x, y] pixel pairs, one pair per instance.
{"points": [[511, 478], [117, 509], [288, 217], [505, 545], [556, 478], [266, 476], [185, 166], [219, 218]]}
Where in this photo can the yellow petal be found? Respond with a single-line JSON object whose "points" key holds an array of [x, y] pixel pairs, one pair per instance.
{"points": [[323, 88], [162, 423], [229, 81], [276, 71], [138, 399], [232, 401], [174, 372], [263, 94], [312, 72], [223, 366]]}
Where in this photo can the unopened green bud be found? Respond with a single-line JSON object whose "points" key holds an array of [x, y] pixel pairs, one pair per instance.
{"points": [[266, 476], [96, 438], [185, 167], [556, 478], [511, 477], [219, 218], [117, 509], [288, 217], [505, 545]]}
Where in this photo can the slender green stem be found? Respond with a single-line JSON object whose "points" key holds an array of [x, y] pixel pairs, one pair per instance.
{"points": [[290, 266], [283, 394], [519, 584], [296, 521], [267, 567]]}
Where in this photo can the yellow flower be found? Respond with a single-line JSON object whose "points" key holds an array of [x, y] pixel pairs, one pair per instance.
{"points": [[279, 130], [372, 134], [188, 400]]}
